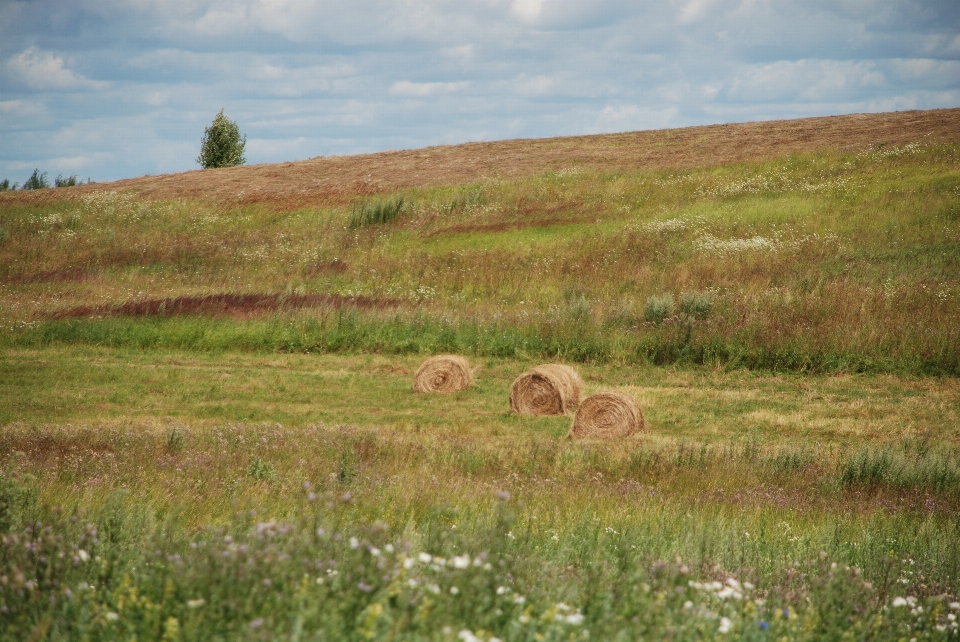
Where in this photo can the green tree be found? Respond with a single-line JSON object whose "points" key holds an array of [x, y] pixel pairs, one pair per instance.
{"points": [[222, 145], [36, 181]]}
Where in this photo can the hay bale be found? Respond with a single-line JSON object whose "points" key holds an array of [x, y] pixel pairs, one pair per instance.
{"points": [[551, 389], [606, 415], [443, 373]]}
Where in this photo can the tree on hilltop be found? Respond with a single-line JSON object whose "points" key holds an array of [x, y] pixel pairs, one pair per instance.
{"points": [[222, 145]]}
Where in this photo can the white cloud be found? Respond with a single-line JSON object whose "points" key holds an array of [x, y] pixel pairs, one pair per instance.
{"points": [[695, 10], [43, 70], [536, 85], [810, 80], [425, 89], [528, 10]]}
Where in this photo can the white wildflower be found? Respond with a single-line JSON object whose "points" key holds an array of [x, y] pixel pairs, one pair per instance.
{"points": [[725, 625]]}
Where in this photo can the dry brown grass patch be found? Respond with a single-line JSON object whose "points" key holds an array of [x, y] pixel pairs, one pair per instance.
{"points": [[338, 180]]}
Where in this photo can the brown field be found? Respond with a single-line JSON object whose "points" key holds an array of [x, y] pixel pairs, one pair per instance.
{"points": [[340, 179]]}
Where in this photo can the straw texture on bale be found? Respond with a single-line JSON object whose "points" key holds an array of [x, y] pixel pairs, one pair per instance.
{"points": [[607, 415], [443, 373], [551, 389]]}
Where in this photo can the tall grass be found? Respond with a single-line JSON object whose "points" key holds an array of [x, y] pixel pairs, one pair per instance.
{"points": [[375, 212], [248, 531]]}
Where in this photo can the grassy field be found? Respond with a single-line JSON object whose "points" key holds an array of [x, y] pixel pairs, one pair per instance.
{"points": [[208, 428]]}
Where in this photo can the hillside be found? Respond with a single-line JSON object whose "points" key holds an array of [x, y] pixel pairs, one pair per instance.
{"points": [[339, 179], [820, 244]]}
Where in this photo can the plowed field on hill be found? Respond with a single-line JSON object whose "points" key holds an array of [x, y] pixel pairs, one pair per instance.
{"points": [[340, 179]]}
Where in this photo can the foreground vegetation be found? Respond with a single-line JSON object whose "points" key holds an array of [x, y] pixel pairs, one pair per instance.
{"points": [[143, 494]]}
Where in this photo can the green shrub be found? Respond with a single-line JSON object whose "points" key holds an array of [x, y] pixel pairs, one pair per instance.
{"points": [[5, 185], [376, 212], [222, 145], [70, 181], [697, 305], [658, 307], [261, 470], [36, 181], [176, 439]]}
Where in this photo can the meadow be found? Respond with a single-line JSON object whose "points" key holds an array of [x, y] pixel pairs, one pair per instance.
{"points": [[208, 431]]}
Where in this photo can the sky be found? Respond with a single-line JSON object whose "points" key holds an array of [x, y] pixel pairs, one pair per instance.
{"points": [[109, 89]]}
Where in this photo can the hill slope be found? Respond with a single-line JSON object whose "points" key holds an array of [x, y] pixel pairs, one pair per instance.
{"points": [[820, 244], [337, 180]]}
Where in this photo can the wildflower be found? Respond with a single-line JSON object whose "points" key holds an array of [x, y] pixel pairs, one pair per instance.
{"points": [[366, 588], [83, 555], [388, 548], [502, 590], [574, 618], [113, 617], [467, 636], [461, 561], [454, 590], [688, 605], [425, 558], [256, 624], [375, 551], [408, 563], [196, 604], [519, 599], [955, 606], [763, 625], [502, 495], [354, 543], [725, 625]]}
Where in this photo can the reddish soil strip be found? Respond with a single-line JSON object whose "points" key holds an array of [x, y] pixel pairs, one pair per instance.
{"points": [[226, 304], [340, 179]]}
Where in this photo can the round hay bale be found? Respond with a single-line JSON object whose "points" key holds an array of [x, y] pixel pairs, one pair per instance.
{"points": [[607, 415], [443, 373], [551, 389]]}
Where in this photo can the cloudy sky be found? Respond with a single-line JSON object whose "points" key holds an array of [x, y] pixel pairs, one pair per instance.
{"points": [[111, 89]]}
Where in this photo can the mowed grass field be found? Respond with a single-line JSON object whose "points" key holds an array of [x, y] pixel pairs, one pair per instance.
{"points": [[208, 428]]}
